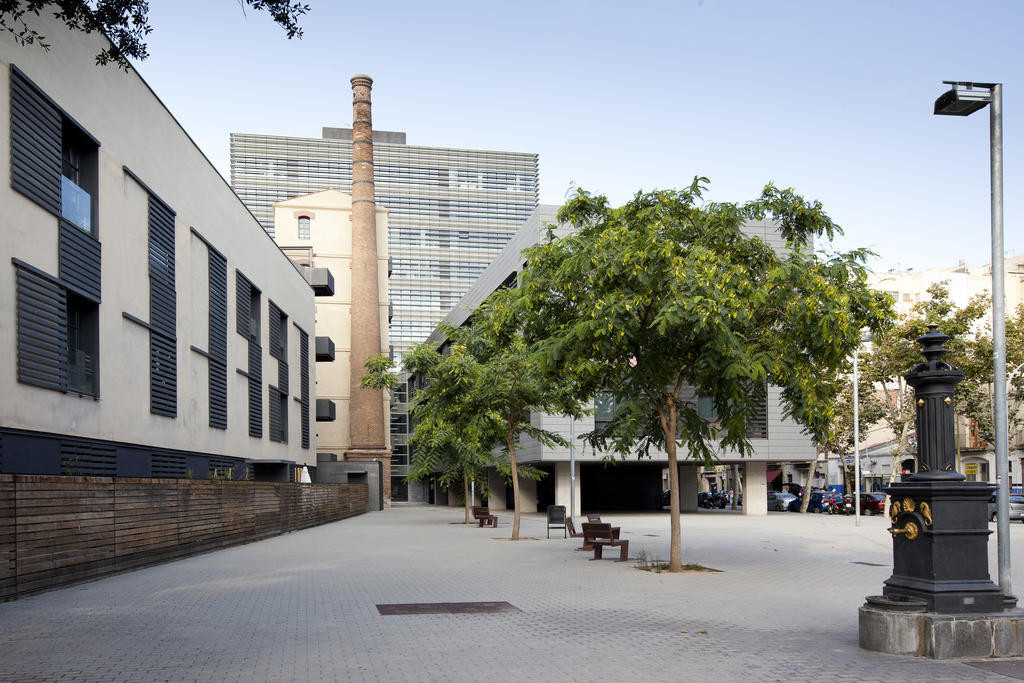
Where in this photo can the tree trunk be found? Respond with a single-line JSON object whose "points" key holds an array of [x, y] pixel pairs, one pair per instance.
{"points": [[812, 469], [465, 490], [849, 485], [675, 553], [510, 441], [736, 488]]}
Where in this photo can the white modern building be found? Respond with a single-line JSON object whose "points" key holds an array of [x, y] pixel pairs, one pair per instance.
{"points": [[627, 485], [315, 230], [153, 328]]}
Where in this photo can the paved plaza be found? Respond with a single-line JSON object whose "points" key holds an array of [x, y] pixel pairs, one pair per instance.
{"points": [[304, 607]]}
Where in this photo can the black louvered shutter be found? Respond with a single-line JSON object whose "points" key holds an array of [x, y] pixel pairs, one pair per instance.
{"points": [[243, 304], [274, 329], [35, 144], [163, 351], [42, 331], [79, 262], [304, 385], [218, 346], [255, 390], [274, 413], [282, 376]]}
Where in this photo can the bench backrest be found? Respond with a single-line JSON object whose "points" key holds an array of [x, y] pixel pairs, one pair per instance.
{"points": [[593, 518], [596, 531], [481, 511]]}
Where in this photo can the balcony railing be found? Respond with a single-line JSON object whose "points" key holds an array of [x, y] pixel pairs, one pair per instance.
{"points": [[75, 204]]}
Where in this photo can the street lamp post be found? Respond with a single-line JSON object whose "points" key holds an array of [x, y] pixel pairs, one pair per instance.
{"points": [[856, 440], [963, 99], [856, 430]]}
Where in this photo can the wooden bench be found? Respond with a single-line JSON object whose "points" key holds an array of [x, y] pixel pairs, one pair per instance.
{"points": [[597, 536], [484, 516], [571, 529], [579, 534]]}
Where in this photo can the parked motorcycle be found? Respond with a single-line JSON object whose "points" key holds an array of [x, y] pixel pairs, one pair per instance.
{"points": [[839, 505]]}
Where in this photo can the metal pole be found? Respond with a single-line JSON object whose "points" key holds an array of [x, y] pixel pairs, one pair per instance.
{"points": [[999, 340], [856, 440], [572, 466]]}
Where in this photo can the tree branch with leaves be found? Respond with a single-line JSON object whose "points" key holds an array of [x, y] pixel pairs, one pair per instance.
{"points": [[124, 22]]}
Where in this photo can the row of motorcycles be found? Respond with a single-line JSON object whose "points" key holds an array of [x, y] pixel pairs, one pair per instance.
{"points": [[715, 499], [838, 504]]}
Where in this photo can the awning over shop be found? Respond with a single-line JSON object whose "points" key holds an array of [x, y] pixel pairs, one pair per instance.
{"points": [[771, 475]]}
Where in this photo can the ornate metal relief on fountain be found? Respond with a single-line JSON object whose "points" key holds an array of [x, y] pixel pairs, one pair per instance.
{"points": [[912, 515], [933, 382]]}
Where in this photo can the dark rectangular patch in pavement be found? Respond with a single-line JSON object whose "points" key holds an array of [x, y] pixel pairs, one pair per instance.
{"points": [[1011, 668], [446, 608]]}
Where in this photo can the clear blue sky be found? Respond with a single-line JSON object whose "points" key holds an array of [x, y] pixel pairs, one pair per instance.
{"points": [[833, 98]]}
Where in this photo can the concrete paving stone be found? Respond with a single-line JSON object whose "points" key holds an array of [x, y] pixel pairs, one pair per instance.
{"points": [[303, 607]]}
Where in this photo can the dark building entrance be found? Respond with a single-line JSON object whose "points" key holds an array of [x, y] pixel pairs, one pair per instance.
{"points": [[623, 486]]}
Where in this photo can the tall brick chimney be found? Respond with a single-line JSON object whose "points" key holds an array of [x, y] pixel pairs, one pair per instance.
{"points": [[366, 406]]}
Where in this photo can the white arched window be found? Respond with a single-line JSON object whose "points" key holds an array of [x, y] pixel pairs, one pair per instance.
{"points": [[303, 227]]}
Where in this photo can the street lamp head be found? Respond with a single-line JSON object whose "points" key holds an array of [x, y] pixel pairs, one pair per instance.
{"points": [[963, 99]]}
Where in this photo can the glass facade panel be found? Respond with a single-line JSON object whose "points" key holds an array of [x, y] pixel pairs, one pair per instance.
{"points": [[75, 204]]}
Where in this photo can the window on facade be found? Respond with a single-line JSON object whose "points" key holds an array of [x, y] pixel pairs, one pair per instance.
{"points": [[78, 177], [282, 325], [399, 423], [254, 314], [83, 345], [706, 408], [278, 416], [605, 406], [401, 393], [53, 161], [303, 227]]}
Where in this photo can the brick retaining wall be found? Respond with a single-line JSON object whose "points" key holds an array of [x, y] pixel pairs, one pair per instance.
{"points": [[59, 530]]}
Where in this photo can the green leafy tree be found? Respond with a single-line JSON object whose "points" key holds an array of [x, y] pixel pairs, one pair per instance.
{"points": [[125, 22], [976, 399], [506, 383], [478, 397], [666, 299], [450, 438]]}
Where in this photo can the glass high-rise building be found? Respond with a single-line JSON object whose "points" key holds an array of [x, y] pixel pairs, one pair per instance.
{"points": [[451, 211]]}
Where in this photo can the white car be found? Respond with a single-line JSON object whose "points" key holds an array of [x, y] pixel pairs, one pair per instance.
{"points": [[1016, 507], [779, 500]]}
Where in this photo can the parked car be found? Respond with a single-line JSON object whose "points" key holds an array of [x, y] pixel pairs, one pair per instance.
{"points": [[818, 503], [1016, 508], [779, 500], [872, 504]]}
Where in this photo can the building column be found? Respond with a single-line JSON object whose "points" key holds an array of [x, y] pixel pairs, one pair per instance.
{"points": [[688, 486], [496, 483], [527, 495], [563, 483], [440, 494], [755, 489]]}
